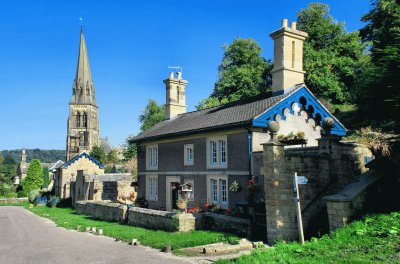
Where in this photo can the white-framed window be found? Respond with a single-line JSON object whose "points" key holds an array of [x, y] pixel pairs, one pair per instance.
{"points": [[217, 152], [152, 187], [217, 190], [190, 194], [152, 157], [188, 155]]}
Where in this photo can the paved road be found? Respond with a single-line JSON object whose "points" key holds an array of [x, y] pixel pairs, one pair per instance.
{"points": [[28, 238]]}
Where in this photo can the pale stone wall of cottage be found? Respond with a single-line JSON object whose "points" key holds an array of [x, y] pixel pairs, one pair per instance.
{"points": [[69, 174], [296, 122]]}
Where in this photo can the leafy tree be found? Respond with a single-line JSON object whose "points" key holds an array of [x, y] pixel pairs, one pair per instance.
{"points": [[98, 154], [130, 150], [1, 159], [334, 59], [34, 177], [112, 157], [383, 91], [243, 73], [45, 177], [152, 114]]}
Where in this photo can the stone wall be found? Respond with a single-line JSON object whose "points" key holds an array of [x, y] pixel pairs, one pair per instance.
{"points": [[13, 200], [106, 211], [350, 202], [328, 167], [223, 223], [160, 220]]}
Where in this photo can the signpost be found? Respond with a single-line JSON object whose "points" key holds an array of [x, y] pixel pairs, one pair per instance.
{"points": [[296, 181]]}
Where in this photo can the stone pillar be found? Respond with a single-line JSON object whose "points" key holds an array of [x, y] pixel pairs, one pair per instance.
{"points": [[278, 184]]}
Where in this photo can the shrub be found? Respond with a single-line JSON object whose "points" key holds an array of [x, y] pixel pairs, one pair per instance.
{"points": [[34, 177], [33, 195]]}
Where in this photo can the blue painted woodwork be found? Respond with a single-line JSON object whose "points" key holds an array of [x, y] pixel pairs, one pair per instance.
{"points": [[83, 154], [312, 107]]}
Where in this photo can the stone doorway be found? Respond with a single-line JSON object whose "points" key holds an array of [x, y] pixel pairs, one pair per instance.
{"points": [[170, 193]]}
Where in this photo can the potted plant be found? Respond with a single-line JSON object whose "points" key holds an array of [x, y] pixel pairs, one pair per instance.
{"points": [[252, 186], [235, 187], [293, 139]]}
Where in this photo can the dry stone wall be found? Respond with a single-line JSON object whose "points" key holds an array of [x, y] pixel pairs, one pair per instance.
{"points": [[160, 220]]}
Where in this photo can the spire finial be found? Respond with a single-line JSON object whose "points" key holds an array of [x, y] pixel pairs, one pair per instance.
{"points": [[81, 19]]}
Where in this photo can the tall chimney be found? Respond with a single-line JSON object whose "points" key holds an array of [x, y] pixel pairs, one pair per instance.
{"points": [[288, 57], [176, 95]]}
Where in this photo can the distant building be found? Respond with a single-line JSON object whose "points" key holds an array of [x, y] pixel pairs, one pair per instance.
{"points": [[83, 123], [22, 166]]}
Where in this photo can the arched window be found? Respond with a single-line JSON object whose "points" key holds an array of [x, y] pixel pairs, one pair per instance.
{"points": [[84, 119], [177, 94], [78, 119]]}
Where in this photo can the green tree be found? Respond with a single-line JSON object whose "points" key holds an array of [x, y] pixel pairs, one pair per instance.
{"points": [[243, 73], [98, 154], [34, 177], [334, 59], [130, 150], [112, 157], [152, 114], [45, 178], [383, 92]]}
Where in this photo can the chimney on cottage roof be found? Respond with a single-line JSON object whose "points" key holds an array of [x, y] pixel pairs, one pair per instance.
{"points": [[176, 95], [288, 57]]}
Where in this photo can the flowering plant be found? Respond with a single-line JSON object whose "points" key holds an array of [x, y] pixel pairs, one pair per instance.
{"points": [[181, 203], [228, 211], [252, 186], [195, 210]]}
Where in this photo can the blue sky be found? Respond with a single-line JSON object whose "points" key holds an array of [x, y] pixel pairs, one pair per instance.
{"points": [[130, 46]]}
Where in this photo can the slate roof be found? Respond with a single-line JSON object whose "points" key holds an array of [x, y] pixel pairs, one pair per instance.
{"points": [[105, 145], [54, 166], [237, 113]]}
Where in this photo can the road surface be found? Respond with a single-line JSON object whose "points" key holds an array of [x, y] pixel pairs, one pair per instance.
{"points": [[28, 238]]}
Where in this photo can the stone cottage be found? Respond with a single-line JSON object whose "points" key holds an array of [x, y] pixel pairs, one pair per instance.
{"points": [[212, 148], [67, 173]]}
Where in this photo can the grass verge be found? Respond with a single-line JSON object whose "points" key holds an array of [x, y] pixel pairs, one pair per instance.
{"points": [[66, 217], [375, 239]]}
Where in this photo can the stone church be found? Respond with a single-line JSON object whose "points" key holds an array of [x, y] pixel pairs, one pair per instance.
{"points": [[83, 130]]}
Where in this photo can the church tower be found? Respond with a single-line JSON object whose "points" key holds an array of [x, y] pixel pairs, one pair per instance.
{"points": [[83, 124]]}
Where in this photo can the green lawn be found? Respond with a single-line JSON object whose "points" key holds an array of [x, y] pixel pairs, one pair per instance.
{"points": [[66, 217], [376, 239]]}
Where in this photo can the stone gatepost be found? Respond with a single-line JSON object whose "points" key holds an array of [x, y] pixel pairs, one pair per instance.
{"points": [[278, 184]]}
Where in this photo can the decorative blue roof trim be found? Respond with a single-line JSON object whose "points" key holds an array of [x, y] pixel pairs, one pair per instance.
{"points": [[313, 107], [83, 154]]}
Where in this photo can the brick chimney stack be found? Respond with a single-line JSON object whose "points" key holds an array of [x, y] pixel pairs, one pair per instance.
{"points": [[288, 57]]}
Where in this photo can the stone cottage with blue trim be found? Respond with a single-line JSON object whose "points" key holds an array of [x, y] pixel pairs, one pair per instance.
{"points": [[212, 148]]}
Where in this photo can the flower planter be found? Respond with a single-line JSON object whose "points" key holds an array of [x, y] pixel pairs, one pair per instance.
{"points": [[290, 142]]}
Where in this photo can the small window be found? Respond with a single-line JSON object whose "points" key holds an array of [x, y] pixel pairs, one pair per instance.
{"points": [[188, 155], [152, 187], [84, 119], [217, 152], [77, 119], [218, 190], [152, 157]]}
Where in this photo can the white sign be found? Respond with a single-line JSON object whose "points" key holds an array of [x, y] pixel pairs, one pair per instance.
{"points": [[302, 180]]}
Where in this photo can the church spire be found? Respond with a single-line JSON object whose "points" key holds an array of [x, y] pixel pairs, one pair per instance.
{"points": [[83, 88]]}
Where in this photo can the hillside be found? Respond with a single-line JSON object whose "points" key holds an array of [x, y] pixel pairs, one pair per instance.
{"points": [[375, 239], [44, 155]]}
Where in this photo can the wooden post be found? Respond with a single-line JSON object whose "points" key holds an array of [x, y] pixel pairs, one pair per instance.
{"points": [[298, 209]]}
